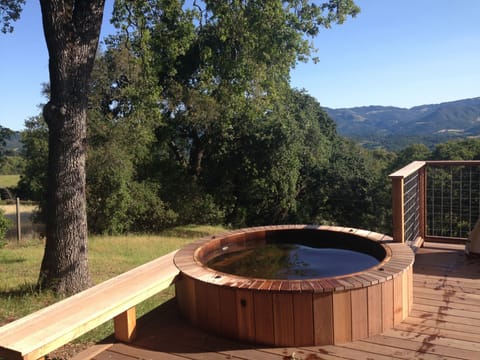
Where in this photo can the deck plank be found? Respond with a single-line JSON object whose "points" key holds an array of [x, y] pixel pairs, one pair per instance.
{"points": [[423, 345], [392, 352], [444, 324]]}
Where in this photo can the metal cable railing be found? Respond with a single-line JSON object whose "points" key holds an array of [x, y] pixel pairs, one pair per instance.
{"points": [[411, 207], [453, 200], [435, 200]]}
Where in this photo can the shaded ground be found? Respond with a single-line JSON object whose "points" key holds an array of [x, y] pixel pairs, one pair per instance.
{"points": [[68, 351]]}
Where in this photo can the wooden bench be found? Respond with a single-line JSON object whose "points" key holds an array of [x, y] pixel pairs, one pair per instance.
{"points": [[41, 332]]}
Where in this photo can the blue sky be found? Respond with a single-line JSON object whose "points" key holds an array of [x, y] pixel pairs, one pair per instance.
{"points": [[395, 52]]}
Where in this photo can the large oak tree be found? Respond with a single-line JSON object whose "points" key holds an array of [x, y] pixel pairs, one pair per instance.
{"points": [[72, 30]]}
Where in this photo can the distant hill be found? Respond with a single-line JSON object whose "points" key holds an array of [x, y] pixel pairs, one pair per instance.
{"points": [[393, 127], [14, 143]]}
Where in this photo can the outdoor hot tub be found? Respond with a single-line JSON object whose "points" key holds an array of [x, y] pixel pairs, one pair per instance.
{"points": [[295, 285]]}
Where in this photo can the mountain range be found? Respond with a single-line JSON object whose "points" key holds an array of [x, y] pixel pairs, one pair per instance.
{"points": [[394, 127]]}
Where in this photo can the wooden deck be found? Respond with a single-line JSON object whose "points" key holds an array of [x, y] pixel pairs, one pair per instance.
{"points": [[444, 324]]}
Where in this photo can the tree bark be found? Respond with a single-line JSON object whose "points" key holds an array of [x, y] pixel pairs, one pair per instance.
{"points": [[71, 29]]}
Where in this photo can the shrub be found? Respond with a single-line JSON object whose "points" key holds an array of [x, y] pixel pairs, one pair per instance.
{"points": [[4, 226]]}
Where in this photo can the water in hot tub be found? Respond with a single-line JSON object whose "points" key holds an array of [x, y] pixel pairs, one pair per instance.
{"points": [[291, 261]]}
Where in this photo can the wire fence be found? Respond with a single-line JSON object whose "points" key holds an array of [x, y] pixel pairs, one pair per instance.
{"points": [[453, 200], [411, 191]]}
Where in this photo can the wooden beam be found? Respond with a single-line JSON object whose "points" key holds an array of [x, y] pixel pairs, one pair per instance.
{"points": [[398, 210], [125, 325], [408, 170]]}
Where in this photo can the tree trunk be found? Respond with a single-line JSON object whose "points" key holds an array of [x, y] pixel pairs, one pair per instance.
{"points": [[71, 30]]}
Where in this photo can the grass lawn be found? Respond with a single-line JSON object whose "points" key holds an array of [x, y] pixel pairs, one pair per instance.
{"points": [[108, 256], [9, 181]]}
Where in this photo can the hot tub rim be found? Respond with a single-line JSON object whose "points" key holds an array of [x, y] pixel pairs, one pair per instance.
{"points": [[398, 259]]}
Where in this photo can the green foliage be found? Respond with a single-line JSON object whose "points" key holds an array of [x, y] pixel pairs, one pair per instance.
{"points": [[117, 203], [468, 149], [347, 183], [32, 185], [236, 144], [12, 165], [414, 152], [148, 212], [108, 199], [9, 11], [264, 166], [4, 135], [10, 162], [123, 112], [4, 226]]}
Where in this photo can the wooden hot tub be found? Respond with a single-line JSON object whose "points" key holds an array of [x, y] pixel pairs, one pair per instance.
{"points": [[313, 311]]}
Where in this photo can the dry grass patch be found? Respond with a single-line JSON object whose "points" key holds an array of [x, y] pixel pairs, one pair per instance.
{"points": [[11, 209], [9, 181], [30, 229], [111, 255]]}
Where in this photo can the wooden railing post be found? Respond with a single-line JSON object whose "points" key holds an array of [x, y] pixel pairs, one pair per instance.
{"points": [[398, 199], [398, 210], [422, 194]]}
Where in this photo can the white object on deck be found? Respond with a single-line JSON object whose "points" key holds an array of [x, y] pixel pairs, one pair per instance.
{"points": [[472, 246]]}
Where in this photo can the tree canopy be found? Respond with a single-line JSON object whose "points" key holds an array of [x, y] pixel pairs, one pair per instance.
{"points": [[190, 118]]}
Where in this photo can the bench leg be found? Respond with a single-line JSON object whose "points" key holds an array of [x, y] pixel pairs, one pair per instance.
{"points": [[125, 325]]}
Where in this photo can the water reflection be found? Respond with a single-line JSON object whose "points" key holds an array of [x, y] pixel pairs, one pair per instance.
{"points": [[291, 261]]}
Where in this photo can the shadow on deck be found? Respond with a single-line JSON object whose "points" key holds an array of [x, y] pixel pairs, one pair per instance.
{"points": [[444, 324]]}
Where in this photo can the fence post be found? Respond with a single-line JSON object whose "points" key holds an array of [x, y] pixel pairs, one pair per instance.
{"points": [[19, 224]]}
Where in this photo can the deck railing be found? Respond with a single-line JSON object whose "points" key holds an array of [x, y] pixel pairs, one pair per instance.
{"points": [[435, 201]]}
